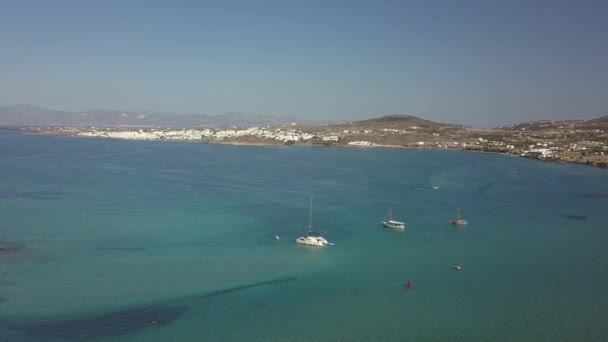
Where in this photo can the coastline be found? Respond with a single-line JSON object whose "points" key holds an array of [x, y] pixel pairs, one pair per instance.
{"points": [[334, 145]]}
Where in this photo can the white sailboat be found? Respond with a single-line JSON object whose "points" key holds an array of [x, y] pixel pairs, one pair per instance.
{"points": [[312, 238], [458, 221], [390, 223]]}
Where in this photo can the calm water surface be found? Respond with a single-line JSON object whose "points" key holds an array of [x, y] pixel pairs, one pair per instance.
{"points": [[154, 241]]}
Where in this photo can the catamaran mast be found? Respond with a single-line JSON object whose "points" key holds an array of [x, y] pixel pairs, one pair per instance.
{"points": [[310, 216]]}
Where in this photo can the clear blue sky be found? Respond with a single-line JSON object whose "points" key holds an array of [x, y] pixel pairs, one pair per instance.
{"points": [[473, 62]]}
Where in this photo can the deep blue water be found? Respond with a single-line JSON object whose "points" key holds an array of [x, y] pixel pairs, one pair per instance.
{"points": [[164, 241]]}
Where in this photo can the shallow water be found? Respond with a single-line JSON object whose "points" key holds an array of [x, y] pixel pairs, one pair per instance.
{"points": [[173, 241]]}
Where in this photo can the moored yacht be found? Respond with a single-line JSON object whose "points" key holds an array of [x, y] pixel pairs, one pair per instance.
{"points": [[312, 238], [390, 223], [309, 241], [459, 221]]}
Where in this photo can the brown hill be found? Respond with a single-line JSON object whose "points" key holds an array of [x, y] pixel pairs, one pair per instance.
{"points": [[401, 121], [543, 125], [602, 120], [396, 121]]}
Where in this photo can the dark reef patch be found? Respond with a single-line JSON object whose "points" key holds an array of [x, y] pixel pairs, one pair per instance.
{"points": [[587, 195], [244, 287], [119, 322], [106, 325], [485, 188], [574, 217], [38, 195], [7, 247]]}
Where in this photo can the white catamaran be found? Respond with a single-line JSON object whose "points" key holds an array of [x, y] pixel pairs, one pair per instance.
{"points": [[312, 238], [390, 223]]}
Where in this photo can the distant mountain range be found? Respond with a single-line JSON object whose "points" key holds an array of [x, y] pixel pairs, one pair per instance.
{"points": [[30, 115]]}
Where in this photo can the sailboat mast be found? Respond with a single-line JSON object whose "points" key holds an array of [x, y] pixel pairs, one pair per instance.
{"points": [[310, 216]]}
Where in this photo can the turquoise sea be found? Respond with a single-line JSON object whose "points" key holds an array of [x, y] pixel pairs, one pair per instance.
{"points": [[167, 241]]}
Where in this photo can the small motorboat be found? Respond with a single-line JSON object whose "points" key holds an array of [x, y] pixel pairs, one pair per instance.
{"points": [[276, 237], [457, 267]]}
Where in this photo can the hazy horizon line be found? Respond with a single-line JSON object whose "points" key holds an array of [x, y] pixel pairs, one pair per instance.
{"points": [[297, 117]]}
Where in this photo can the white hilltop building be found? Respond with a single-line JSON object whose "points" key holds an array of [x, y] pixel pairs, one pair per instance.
{"points": [[360, 143], [330, 138]]}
